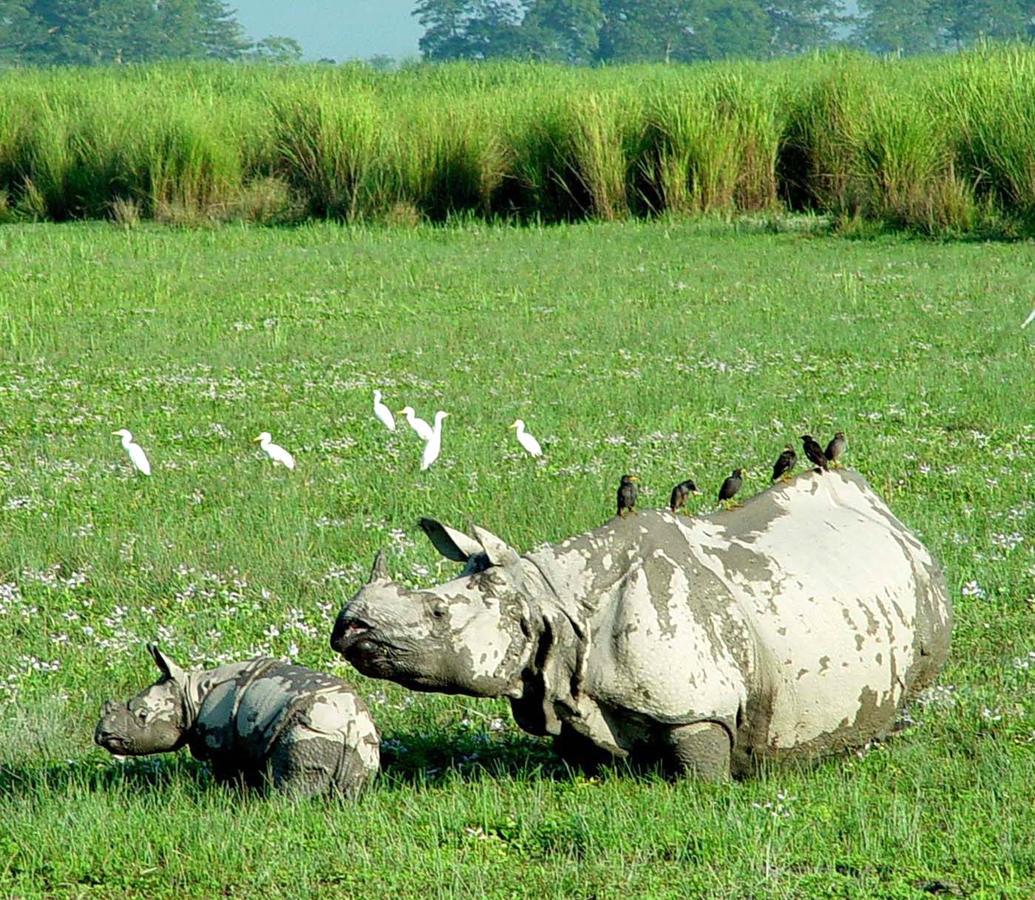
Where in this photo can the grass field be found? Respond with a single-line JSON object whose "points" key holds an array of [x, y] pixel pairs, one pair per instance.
{"points": [[938, 145], [664, 348]]}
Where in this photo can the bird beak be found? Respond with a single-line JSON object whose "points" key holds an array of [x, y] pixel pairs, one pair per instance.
{"points": [[696, 491], [634, 477], [256, 440]]}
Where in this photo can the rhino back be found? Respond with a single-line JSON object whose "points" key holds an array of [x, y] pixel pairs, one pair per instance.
{"points": [[849, 608]]}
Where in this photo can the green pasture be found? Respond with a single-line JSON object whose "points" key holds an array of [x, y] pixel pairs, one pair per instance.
{"points": [[664, 348]]}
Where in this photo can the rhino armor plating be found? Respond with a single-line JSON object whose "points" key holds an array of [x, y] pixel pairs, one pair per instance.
{"points": [[257, 722], [797, 625]]}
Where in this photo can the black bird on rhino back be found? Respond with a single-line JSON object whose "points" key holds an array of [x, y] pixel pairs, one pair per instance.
{"points": [[836, 447], [680, 494], [815, 453], [627, 494], [784, 463], [731, 485]]}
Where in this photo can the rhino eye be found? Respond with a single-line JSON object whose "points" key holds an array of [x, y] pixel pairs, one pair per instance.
{"points": [[438, 611], [141, 715]]}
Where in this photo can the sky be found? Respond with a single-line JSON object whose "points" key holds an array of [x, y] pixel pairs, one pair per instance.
{"points": [[338, 29]]}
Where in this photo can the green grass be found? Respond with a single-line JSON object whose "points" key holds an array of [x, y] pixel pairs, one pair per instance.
{"points": [[664, 348], [938, 145]]}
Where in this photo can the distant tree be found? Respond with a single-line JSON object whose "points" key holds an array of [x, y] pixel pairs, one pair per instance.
{"points": [[647, 30], [21, 30], [472, 29], [564, 30], [799, 25], [382, 62], [276, 49], [890, 26], [962, 22], [735, 28]]}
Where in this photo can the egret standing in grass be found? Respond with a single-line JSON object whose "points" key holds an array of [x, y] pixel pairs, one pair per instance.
{"points": [[434, 445], [135, 451], [525, 439], [422, 428], [383, 412], [274, 451]]}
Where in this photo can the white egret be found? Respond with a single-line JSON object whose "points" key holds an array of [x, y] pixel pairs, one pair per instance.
{"points": [[135, 451], [422, 428], [525, 439], [274, 451], [1029, 320], [383, 412], [434, 445]]}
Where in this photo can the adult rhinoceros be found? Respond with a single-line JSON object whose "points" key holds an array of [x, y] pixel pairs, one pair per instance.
{"points": [[796, 625]]}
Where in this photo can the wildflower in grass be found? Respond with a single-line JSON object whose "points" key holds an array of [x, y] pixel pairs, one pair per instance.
{"points": [[973, 589], [1024, 663], [991, 714], [780, 808], [15, 503]]}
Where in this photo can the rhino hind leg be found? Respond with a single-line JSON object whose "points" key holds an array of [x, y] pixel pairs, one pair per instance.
{"points": [[303, 768], [700, 750]]}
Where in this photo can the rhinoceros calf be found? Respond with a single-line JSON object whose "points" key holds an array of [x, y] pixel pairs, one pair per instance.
{"points": [[797, 625], [260, 721]]}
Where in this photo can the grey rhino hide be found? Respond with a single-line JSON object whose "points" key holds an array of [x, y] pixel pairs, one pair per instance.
{"points": [[258, 722], [797, 625]]}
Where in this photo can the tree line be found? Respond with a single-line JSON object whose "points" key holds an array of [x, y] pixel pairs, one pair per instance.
{"points": [[93, 32], [578, 32], [618, 31]]}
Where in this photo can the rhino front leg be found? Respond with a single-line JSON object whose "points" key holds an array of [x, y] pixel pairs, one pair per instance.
{"points": [[700, 750]]}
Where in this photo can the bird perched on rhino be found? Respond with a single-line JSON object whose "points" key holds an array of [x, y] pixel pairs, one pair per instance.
{"points": [[680, 494], [627, 494], [785, 462], [836, 448], [731, 486], [815, 453]]}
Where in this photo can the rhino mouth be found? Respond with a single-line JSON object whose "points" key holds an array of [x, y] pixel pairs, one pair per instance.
{"points": [[113, 743], [365, 649]]}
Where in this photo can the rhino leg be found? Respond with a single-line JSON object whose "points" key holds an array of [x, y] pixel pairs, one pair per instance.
{"points": [[579, 752], [303, 767], [700, 750]]}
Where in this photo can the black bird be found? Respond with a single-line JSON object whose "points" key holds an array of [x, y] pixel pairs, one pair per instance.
{"points": [[627, 495], [815, 453], [784, 463], [731, 485], [836, 447], [680, 493]]}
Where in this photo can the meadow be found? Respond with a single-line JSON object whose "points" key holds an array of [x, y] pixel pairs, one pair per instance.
{"points": [[667, 348], [933, 145]]}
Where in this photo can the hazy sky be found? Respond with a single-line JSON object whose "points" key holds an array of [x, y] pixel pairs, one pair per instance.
{"points": [[340, 29]]}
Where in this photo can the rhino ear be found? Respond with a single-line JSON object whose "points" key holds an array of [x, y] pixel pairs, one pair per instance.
{"points": [[165, 665], [499, 552], [452, 544], [379, 571]]}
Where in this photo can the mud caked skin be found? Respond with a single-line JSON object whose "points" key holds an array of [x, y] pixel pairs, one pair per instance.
{"points": [[795, 626], [258, 722]]}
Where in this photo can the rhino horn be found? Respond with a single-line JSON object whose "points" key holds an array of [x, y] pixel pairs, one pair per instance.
{"points": [[452, 544], [500, 553], [379, 571], [165, 664]]}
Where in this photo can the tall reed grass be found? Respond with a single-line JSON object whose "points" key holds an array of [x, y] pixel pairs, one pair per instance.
{"points": [[940, 145]]}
